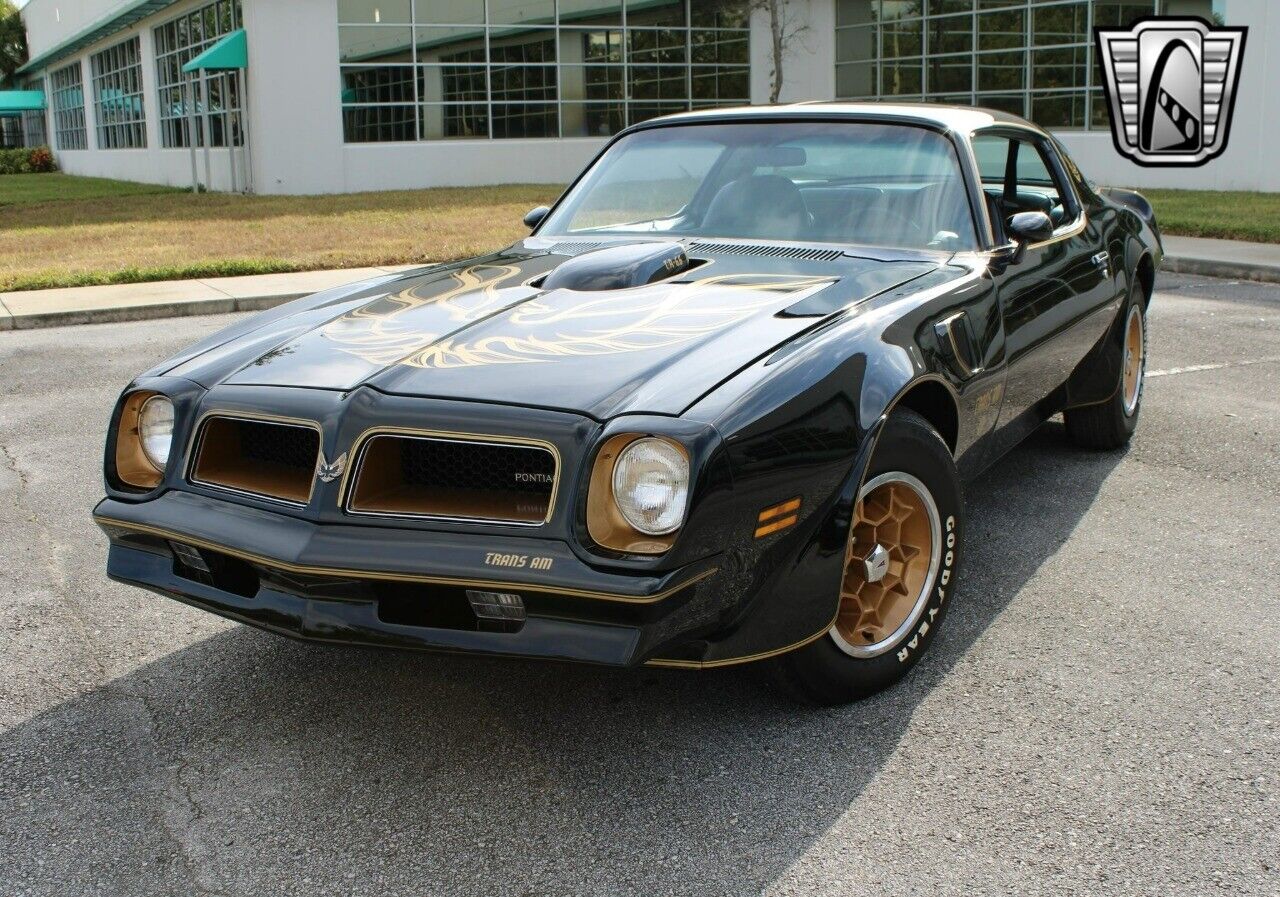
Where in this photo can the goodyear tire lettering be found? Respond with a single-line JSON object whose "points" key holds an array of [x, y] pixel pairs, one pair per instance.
{"points": [[944, 577]]}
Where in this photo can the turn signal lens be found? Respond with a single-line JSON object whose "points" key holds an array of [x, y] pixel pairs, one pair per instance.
{"points": [[651, 486], [155, 430]]}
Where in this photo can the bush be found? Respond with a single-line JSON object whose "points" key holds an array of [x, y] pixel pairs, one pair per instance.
{"points": [[24, 161], [41, 159]]}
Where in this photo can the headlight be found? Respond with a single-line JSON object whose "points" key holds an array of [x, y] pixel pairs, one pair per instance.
{"points": [[651, 486], [155, 430], [144, 434]]}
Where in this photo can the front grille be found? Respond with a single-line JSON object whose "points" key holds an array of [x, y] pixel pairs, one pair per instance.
{"points": [[455, 478], [264, 458]]}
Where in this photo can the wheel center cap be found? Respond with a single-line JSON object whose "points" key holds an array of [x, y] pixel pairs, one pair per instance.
{"points": [[876, 564]]}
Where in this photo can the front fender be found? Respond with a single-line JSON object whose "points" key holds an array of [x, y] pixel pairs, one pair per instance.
{"points": [[803, 423]]}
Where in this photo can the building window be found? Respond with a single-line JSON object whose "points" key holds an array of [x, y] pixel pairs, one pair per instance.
{"points": [[1033, 58], [68, 108], [117, 96], [422, 70], [213, 98], [34, 129]]}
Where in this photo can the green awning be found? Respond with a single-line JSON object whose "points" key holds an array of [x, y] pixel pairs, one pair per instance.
{"points": [[14, 101], [232, 52]]}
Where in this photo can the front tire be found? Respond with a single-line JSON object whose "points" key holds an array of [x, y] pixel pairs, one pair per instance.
{"points": [[900, 568], [1110, 424]]}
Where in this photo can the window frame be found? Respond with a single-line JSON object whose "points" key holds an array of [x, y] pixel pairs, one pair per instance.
{"points": [[69, 120], [1045, 147], [174, 131], [112, 68], [1021, 41], [962, 147], [715, 54]]}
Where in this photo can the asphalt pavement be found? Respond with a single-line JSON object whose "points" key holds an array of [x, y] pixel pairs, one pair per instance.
{"points": [[1100, 714]]}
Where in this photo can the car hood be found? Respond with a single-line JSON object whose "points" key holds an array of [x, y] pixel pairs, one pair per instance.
{"points": [[484, 331]]}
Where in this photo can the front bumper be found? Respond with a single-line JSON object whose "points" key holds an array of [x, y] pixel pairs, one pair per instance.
{"points": [[390, 587]]}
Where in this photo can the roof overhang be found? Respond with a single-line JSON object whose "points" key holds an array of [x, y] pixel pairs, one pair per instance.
{"points": [[130, 14]]}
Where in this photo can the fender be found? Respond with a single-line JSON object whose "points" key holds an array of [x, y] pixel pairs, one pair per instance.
{"points": [[1097, 377]]}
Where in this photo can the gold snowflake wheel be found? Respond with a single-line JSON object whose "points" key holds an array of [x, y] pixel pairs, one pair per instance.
{"points": [[895, 544], [1135, 350]]}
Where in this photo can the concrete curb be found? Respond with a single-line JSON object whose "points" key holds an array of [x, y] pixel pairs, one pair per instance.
{"points": [[180, 308], [173, 299], [1218, 268]]}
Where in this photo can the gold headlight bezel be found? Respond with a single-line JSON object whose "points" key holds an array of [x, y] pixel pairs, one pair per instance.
{"points": [[605, 523], [133, 466]]}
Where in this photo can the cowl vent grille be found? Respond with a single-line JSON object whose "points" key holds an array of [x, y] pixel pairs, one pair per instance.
{"points": [[781, 252], [571, 248]]}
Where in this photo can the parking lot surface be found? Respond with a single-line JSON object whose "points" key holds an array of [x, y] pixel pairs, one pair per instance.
{"points": [[1101, 714]]}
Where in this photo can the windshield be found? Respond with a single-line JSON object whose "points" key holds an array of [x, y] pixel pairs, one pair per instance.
{"points": [[830, 182]]}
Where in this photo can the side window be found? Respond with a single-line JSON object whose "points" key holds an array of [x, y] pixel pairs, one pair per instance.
{"points": [[1044, 163], [1037, 186], [1034, 175]]}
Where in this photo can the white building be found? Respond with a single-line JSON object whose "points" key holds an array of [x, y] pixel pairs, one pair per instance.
{"points": [[349, 95]]}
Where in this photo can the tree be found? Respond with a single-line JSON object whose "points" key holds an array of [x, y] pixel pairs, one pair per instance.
{"points": [[13, 41], [784, 28]]}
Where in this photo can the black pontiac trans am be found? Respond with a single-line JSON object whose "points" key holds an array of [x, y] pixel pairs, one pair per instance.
{"points": [[716, 408]]}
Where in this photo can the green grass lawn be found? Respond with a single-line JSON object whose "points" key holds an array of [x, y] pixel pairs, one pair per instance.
{"points": [[1227, 215], [22, 189], [58, 230], [67, 231]]}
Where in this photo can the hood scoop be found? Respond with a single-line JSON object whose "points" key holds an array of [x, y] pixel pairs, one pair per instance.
{"points": [[619, 267]]}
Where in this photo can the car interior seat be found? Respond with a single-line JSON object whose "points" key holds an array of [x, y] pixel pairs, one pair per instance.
{"points": [[765, 206]]}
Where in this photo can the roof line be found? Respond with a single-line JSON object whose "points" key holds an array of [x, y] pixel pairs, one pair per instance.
{"points": [[118, 21]]}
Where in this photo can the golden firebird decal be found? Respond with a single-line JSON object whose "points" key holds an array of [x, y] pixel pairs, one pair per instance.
{"points": [[649, 317]]}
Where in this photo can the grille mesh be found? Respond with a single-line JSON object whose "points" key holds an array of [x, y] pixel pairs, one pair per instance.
{"points": [[436, 464], [453, 478], [274, 444]]}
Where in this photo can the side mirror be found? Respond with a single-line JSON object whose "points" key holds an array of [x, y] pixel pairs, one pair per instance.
{"points": [[534, 216], [1028, 227]]}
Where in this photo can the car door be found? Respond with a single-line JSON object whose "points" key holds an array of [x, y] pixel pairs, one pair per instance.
{"points": [[1054, 298]]}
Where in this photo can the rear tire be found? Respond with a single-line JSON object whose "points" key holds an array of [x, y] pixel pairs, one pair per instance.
{"points": [[1110, 424], [901, 562]]}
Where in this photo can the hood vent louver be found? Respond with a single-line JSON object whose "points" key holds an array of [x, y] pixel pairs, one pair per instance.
{"points": [[782, 252], [573, 248]]}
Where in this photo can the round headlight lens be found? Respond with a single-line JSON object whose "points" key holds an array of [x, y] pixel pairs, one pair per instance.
{"points": [[651, 485], [155, 430]]}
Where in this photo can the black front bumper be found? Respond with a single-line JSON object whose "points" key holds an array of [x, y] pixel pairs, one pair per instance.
{"points": [[389, 587]]}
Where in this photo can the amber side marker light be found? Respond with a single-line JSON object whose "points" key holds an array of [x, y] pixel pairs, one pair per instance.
{"points": [[778, 517]]}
